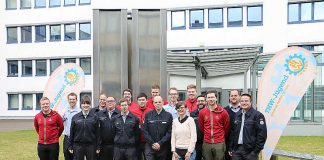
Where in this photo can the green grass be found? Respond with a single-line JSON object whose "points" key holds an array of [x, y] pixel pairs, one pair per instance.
{"points": [[22, 145]]}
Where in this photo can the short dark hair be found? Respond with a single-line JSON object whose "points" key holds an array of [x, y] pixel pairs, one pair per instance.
{"points": [[179, 104], [127, 90], [211, 91], [122, 100], [239, 92], [72, 94], [85, 100], [201, 96], [141, 95], [191, 86], [247, 95]]}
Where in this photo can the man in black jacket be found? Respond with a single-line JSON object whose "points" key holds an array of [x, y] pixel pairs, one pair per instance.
{"points": [[249, 133], [106, 129], [157, 132], [102, 104]]}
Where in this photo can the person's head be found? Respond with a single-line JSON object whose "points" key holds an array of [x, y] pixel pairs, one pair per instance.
{"points": [[127, 94], [158, 103], [110, 103], [72, 99], [191, 91], [45, 105], [246, 101], [173, 94], [201, 101], [85, 104], [123, 105], [211, 97], [141, 100], [234, 97], [102, 100], [155, 90], [181, 108]]}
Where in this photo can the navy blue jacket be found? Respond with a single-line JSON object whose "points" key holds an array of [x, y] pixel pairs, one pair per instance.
{"points": [[126, 134], [106, 126]]}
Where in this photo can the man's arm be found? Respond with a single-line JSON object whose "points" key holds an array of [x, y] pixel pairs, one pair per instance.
{"points": [[261, 133], [36, 124], [60, 124], [145, 130]]}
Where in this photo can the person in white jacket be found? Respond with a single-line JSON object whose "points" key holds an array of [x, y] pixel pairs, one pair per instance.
{"points": [[184, 135]]}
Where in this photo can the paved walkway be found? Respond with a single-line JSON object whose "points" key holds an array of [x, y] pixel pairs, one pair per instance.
{"points": [[15, 125]]}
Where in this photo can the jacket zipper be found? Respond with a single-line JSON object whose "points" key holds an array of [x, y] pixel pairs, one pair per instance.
{"points": [[44, 130], [211, 127]]}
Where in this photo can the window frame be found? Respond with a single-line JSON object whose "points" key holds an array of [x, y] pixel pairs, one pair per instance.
{"points": [[300, 21], [40, 60], [12, 42], [21, 34], [36, 34], [50, 33], [66, 5], [8, 69], [25, 7], [80, 60], [203, 19], [65, 25], [23, 74], [319, 20], [38, 106], [233, 25], [84, 3], [80, 31], [69, 59], [256, 23], [53, 6], [9, 104], [15, 8], [51, 69], [27, 108], [35, 4], [184, 19], [220, 26]]}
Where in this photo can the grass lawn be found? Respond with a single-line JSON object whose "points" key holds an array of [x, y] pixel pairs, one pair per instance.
{"points": [[21, 145]]}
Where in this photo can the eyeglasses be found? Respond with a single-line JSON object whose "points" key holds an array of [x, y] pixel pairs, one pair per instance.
{"points": [[181, 108]]}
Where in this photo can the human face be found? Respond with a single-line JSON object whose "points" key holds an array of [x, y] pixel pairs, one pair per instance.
{"points": [[142, 102], [128, 96], [157, 101], [211, 99], [173, 95], [245, 103], [85, 107], [234, 97], [201, 102], [155, 92], [192, 93], [111, 103], [45, 106], [72, 101], [102, 100], [124, 107], [182, 110]]}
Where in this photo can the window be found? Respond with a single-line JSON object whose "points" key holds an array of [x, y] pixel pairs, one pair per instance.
{"points": [[54, 64], [54, 3], [318, 10], [25, 4], [38, 98], [254, 16], [40, 3], [197, 19], [178, 20], [293, 13], [41, 67], [69, 2], [13, 102], [26, 34], [12, 68], [27, 102], [27, 68], [306, 12], [215, 18], [11, 4], [234, 17], [40, 33], [69, 32], [55, 33], [84, 31], [84, 1], [69, 60], [85, 94], [12, 35], [85, 64]]}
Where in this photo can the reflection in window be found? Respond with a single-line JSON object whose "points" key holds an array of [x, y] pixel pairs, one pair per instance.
{"points": [[197, 19], [54, 3], [254, 16], [84, 31], [234, 17], [85, 64], [41, 67], [55, 33], [12, 35], [69, 60], [26, 34], [318, 10], [69, 2], [215, 18], [293, 12], [178, 20], [12, 68], [11, 4], [69, 32], [13, 102], [40, 3], [306, 12], [25, 4], [27, 68], [40, 33], [84, 1], [27, 102], [54, 63], [38, 98]]}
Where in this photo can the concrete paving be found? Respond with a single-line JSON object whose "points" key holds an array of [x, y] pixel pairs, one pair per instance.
{"points": [[7, 125]]}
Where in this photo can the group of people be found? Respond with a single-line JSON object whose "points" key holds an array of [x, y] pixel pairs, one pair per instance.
{"points": [[153, 128]]}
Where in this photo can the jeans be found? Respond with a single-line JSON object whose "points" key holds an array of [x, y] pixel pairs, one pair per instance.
{"points": [[192, 157]]}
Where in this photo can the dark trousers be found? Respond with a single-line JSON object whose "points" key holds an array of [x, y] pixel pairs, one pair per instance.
{"points": [[48, 151], [125, 153], [140, 151], [243, 154], [198, 149], [106, 152], [163, 154], [84, 150], [67, 154]]}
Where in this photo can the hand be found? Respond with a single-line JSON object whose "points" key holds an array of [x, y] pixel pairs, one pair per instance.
{"points": [[156, 146], [175, 156], [71, 151], [98, 151], [187, 156], [230, 153]]}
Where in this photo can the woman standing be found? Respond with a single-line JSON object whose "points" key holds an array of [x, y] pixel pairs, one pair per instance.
{"points": [[184, 136]]}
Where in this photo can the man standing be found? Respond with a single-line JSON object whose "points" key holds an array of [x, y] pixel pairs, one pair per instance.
{"points": [[249, 133], [67, 118], [191, 100], [214, 124], [155, 91], [49, 127], [170, 107], [102, 103], [126, 131], [201, 103], [232, 109], [157, 132], [106, 131], [127, 94]]}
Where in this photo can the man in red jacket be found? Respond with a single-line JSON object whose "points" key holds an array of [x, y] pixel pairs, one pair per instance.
{"points": [[49, 127], [155, 91], [214, 124], [191, 101]]}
